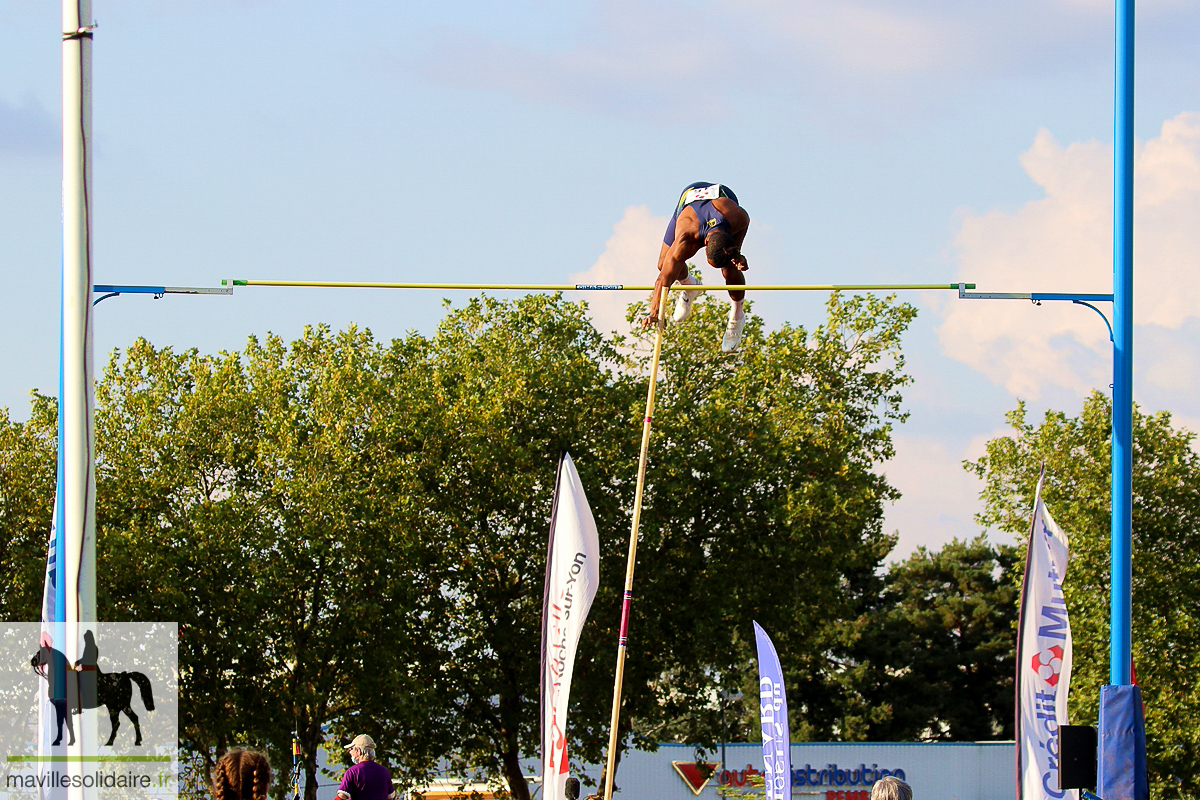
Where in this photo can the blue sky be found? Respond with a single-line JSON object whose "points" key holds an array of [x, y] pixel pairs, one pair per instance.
{"points": [[532, 141]]}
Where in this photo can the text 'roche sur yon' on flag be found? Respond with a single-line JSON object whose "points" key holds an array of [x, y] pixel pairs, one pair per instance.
{"points": [[572, 577]]}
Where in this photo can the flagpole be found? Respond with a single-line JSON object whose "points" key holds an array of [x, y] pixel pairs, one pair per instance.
{"points": [[77, 529], [76, 540], [627, 603], [1022, 605]]}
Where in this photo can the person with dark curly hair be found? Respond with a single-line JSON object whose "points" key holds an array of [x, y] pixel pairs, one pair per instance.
{"points": [[707, 216], [241, 774]]}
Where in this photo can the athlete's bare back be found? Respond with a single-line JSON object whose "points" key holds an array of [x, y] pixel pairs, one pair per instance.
{"points": [[690, 237]]}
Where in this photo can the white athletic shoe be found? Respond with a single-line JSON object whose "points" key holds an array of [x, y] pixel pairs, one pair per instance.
{"points": [[683, 306], [733, 333]]}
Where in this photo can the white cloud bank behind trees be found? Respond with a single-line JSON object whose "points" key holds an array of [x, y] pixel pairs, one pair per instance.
{"points": [[1062, 242]]}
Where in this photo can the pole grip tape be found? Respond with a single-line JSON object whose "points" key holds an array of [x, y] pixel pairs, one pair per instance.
{"points": [[626, 605]]}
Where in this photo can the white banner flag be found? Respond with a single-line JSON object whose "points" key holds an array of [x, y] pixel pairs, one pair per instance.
{"points": [[572, 576], [1043, 658]]}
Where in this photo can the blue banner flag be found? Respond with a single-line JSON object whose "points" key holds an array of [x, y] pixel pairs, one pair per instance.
{"points": [[773, 716], [50, 603]]}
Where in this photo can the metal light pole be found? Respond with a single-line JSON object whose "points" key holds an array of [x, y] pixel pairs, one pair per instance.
{"points": [[1122, 763], [1122, 444]]}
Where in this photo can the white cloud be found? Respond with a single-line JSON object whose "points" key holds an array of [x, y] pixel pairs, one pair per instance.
{"points": [[630, 256], [1063, 243]]}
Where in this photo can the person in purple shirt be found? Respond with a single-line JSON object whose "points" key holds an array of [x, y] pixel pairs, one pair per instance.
{"points": [[367, 779]]}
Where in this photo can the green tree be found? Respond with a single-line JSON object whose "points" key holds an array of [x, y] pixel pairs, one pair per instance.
{"points": [[245, 496], [933, 659], [762, 503], [171, 524], [27, 464], [1166, 545], [352, 536], [500, 392]]}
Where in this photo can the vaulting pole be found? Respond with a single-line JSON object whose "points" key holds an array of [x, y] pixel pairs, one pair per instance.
{"points": [[627, 602]]}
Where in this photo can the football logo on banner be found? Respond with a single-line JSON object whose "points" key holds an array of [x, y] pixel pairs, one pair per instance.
{"points": [[1048, 664]]}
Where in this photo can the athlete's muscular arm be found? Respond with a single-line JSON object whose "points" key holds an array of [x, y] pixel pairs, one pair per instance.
{"points": [[672, 266], [672, 259]]}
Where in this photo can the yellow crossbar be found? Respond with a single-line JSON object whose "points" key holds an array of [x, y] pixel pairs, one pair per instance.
{"points": [[593, 287]]}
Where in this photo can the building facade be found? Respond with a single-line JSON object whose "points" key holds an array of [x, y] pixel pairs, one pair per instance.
{"points": [[824, 771], [820, 771]]}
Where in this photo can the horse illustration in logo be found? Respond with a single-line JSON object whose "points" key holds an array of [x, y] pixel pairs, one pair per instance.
{"points": [[90, 687]]}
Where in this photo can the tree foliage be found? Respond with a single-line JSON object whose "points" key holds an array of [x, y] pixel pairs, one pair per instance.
{"points": [[1166, 561], [27, 463], [495, 397], [246, 496], [763, 505], [932, 658], [352, 534]]}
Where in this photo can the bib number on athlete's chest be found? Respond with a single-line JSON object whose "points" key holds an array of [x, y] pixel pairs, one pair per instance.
{"points": [[702, 193]]}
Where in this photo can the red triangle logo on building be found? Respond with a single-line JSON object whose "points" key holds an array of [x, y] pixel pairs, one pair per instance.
{"points": [[696, 774]]}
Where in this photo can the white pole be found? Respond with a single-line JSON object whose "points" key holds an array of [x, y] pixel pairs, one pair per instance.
{"points": [[78, 528]]}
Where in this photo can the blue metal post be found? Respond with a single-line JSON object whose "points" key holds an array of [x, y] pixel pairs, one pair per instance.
{"points": [[1122, 764], [1121, 671]]}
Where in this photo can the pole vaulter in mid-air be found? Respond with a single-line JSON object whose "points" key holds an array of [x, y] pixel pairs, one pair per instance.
{"points": [[707, 215]]}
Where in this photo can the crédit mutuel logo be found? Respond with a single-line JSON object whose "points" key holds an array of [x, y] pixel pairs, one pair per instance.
{"points": [[1048, 664], [94, 721]]}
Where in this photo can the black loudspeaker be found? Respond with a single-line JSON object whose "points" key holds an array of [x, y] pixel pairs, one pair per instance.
{"points": [[1077, 757]]}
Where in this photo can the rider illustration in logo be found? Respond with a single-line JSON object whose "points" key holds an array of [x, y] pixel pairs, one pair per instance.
{"points": [[85, 685], [87, 668], [1048, 664]]}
